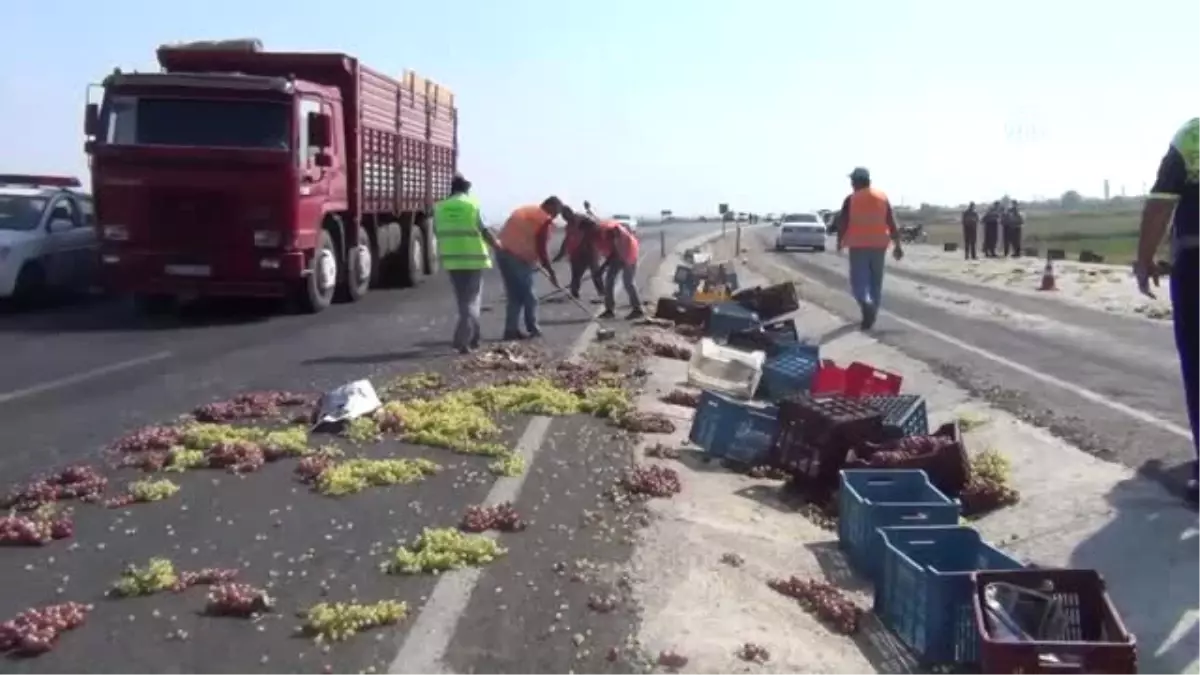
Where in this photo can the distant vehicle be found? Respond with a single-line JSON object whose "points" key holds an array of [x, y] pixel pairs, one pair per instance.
{"points": [[47, 240], [830, 219], [629, 222], [235, 171], [801, 230], [912, 233]]}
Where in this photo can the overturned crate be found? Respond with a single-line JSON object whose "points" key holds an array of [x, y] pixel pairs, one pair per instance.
{"points": [[817, 433]]}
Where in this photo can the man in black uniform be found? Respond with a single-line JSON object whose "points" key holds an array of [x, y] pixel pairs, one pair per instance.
{"points": [[970, 224], [1012, 221], [1175, 190], [991, 223]]}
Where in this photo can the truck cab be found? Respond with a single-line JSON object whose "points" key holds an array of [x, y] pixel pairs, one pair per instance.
{"points": [[241, 172]]}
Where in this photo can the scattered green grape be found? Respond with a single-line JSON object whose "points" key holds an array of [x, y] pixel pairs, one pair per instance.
{"points": [[337, 621], [441, 549], [149, 490], [363, 430], [158, 575], [180, 458], [356, 475], [508, 464], [291, 441], [990, 464]]}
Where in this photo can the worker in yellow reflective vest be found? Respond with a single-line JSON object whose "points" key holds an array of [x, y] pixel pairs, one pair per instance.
{"points": [[463, 242]]}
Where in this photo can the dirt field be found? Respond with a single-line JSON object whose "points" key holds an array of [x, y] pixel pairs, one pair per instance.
{"points": [[1111, 233]]}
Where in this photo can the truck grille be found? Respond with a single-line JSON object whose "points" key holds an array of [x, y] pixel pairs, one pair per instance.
{"points": [[188, 219]]}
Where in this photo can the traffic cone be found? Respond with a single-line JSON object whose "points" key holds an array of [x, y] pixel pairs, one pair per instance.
{"points": [[1048, 283]]}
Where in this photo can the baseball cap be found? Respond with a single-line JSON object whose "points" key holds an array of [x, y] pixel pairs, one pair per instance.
{"points": [[860, 173]]}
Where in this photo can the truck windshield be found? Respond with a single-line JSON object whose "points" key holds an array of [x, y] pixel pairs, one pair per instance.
{"points": [[140, 120], [20, 213]]}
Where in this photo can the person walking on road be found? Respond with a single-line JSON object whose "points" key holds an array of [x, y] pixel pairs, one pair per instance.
{"points": [[870, 226], [463, 242], [524, 243], [1175, 190], [1012, 221], [991, 223], [622, 261], [970, 225], [579, 247]]}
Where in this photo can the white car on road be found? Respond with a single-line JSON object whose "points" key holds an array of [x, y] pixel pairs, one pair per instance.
{"points": [[629, 222], [801, 230], [47, 236]]}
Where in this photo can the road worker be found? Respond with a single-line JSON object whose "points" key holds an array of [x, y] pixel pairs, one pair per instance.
{"points": [[870, 228], [622, 251], [462, 243], [1175, 190], [524, 244], [970, 225], [579, 247], [1013, 222]]}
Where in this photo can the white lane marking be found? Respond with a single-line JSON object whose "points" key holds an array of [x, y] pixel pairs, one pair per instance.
{"points": [[424, 647], [1082, 392], [81, 377]]}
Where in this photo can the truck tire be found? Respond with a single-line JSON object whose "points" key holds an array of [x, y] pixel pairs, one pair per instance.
{"points": [[408, 265], [315, 291], [387, 241], [357, 268], [432, 261]]}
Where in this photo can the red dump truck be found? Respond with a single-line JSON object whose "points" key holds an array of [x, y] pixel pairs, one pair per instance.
{"points": [[242, 172]]}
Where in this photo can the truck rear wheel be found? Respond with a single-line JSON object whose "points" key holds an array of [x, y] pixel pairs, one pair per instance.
{"points": [[406, 268], [316, 289], [432, 262], [355, 280]]}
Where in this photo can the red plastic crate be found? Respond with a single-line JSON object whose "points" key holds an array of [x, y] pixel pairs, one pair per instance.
{"points": [[1096, 638], [864, 380], [830, 379]]}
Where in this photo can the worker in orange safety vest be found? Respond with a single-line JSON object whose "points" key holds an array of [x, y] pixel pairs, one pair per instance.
{"points": [[524, 244], [579, 246], [622, 252], [870, 226]]}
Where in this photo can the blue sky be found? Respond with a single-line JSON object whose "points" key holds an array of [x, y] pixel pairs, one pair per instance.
{"points": [[670, 104]]}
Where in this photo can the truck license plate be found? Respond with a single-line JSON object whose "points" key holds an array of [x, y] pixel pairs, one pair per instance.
{"points": [[189, 270]]}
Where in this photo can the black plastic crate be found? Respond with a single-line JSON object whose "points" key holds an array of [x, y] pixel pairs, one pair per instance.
{"points": [[903, 415], [817, 433], [770, 337]]}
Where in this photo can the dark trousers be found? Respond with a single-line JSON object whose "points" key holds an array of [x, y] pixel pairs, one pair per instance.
{"points": [[1014, 241], [581, 264], [970, 234], [1185, 312], [989, 239]]}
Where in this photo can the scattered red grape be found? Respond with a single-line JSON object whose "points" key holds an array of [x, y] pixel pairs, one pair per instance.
{"points": [[311, 467], [34, 530], [502, 517], [671, 660], [652, 481], [753, 653], [253, 405], [205, 577], [647, 423], [691, 399], [149, 438], [236, 456], [241, 600], [827, 602], [35, 631], [74, 482]]}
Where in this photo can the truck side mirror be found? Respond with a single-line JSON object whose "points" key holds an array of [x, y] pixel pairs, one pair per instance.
{"points": [[318, 130], [91, 120]]}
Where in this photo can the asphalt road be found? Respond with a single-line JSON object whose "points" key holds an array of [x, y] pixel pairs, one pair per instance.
{"points": [[1091, 377], [75, 378]]}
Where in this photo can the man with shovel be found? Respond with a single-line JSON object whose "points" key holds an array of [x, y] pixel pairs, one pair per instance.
{"points": [[524, 245], [623, 261], [579, 247]]}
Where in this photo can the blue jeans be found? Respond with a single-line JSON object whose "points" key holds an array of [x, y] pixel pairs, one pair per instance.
{"points": [[518, 287], [1185, 308], [866, 278]]}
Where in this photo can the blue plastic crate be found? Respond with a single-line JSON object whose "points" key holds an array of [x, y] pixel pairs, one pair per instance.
{"points": [[728, 317], [790, 370], [924, 592], [754, 435], [715, 421], [904, 414], [873, 498]]}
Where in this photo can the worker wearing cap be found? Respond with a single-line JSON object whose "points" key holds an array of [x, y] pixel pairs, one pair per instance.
{"points": [[524, 244], [622, 261], [579, 247], [1175, 190], [462, 243], [870, 226]]}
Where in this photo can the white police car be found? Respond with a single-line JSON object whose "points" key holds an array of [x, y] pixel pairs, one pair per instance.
{"points": [[47, 238]]}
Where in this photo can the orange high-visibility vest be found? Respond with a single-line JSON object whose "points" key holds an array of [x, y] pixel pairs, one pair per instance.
{"points": [[520, 232], [627, 246], [867, 226], [603, 237]]}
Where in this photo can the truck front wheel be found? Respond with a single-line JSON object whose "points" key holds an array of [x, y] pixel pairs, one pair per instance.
{"points": [[316, 289]]}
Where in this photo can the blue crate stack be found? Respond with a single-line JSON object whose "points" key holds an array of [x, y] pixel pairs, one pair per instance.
{"points": [[728, 317], [790, 370], [869, 499], [924, 592], [754, 435], [726, 427]]}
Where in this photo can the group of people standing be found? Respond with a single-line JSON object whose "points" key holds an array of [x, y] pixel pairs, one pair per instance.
{"points": [[1006, 222], [603, 248]]}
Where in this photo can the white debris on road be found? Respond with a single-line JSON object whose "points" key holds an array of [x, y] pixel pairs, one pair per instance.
{"points": [[1075, 511], [1108, 287]]}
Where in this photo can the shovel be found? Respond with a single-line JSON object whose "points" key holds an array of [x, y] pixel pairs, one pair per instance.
{"points": [[602, 333]]}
